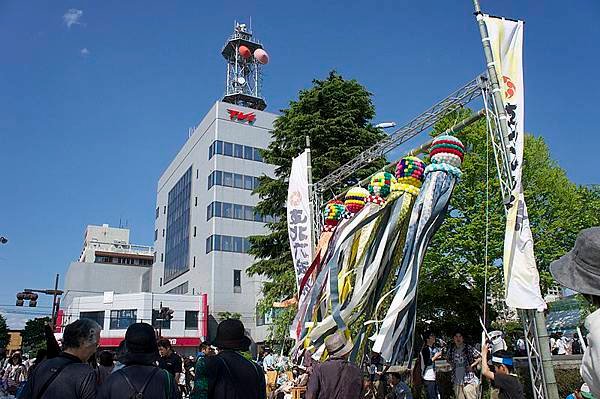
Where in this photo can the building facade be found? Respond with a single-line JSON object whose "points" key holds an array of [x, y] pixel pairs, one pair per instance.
{"points": [[116, 312], [108, 262], [205, 213]]}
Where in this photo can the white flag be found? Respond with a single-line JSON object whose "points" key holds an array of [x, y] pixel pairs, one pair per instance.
{"points": [[299, 217], [521, 277]]}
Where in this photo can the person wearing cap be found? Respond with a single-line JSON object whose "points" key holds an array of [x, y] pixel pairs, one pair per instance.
{"points": [[336, 378], [502, 377], [579, 270], [231, 375], [140, 375]]}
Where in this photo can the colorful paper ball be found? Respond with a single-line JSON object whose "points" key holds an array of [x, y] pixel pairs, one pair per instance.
{"points": [[333, 212], [410, 170], [355, 199], [381, 184], [447, 149]]}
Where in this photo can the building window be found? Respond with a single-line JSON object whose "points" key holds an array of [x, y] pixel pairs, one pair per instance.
{"points": [[157, 212], [248, 152], [155, 234], [160, 282], [191, 319], [236, 211], [238, 151], [162, 324], [196, 201], [194, 231], [228, 179], [237, 281], [164, 210], [197, 173], [177, 244], [224, 243], [162, 257], [98, 316], [194, 264], [234, 150], [163, 232], [121, 319], [181, 289]]}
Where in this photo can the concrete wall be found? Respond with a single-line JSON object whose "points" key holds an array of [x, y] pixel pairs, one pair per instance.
{"points": [[88, 279]]}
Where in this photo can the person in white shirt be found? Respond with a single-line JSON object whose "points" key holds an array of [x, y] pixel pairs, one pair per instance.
{"points": [[429, 354], [579, 270]]}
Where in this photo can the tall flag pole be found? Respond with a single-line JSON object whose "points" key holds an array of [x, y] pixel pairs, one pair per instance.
{"points": [[502, 41]]}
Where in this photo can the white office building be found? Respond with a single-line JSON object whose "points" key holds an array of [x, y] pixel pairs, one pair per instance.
{"points": [[205, 213]]}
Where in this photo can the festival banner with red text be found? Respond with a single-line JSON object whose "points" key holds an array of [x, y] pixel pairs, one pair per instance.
{"points": [[521, 277]]}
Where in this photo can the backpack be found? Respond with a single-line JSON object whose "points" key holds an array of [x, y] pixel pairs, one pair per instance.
{"points": [[138, 394]]}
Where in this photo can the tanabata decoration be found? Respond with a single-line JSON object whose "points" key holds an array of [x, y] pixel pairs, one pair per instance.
{"points": [[394, 339], [364, 249], [355, 199], [381, 184], [334, 210]]}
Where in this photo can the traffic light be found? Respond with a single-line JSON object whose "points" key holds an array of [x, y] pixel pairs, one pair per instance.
{"points": [[33, 300], [27, 296], [166, 313], [20, 298]]}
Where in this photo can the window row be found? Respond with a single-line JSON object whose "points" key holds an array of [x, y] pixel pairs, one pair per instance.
{"points": [[228, 179], [123, 260], [121, 319], [235, 211], [234, 150], [223, 243]]}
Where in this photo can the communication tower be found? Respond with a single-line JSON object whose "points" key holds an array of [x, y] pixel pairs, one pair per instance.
{"points": [[245, 57]]}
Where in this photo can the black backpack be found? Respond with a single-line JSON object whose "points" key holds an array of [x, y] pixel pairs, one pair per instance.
{"points": [[138, 394]]}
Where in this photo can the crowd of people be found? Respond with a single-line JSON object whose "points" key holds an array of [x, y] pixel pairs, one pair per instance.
{"points": [[146, 367]]}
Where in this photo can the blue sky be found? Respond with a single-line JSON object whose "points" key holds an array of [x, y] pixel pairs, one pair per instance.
{"points": [[96, 101]]}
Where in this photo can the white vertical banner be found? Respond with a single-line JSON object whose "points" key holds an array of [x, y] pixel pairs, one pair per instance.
{"points": [[521, 277], [298, 216]]}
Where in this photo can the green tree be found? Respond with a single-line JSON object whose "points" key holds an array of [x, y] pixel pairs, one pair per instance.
{"points": [[4, 337], [33, 335], [453, 276], [229, 315], [336, 114]]}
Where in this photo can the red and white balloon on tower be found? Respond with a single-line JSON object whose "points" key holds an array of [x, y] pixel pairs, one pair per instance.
{"points": [[244, 52], [261, 56]]}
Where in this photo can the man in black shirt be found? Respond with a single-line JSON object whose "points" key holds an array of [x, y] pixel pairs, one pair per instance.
{"points": [[68, 376], [502, 376], [169, 359]]}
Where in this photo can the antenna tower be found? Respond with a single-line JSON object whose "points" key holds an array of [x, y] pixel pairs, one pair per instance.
{"points": [[245, 57]]}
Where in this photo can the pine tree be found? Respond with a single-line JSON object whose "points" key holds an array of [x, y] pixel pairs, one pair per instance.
{"points": [[336, 114]]}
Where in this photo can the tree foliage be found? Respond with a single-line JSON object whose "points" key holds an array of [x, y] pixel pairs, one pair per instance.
{"points": [[33, 335], [454, 271], [4, 337], [336, 115], [229, 315]]}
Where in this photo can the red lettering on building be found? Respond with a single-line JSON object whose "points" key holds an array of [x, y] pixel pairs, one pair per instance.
{"points": [[236, 115]]}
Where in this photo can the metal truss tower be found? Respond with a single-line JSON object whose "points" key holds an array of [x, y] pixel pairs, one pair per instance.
{"points": [[244, 64]]}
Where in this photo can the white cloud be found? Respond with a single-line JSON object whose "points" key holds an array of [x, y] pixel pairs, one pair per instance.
{"points": [[17, 321], [72, 17], [85, 52]]}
